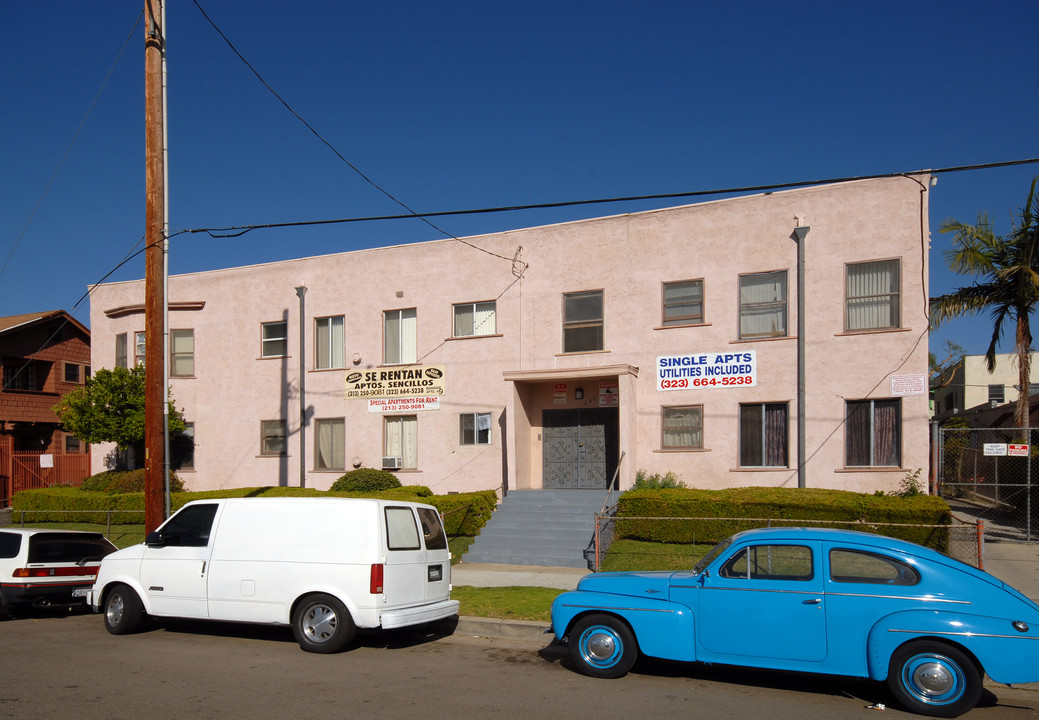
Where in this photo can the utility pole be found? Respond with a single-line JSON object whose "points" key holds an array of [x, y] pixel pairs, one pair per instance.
{"points": [[154, 278]]}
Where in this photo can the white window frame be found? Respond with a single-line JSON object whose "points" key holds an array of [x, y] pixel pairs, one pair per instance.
{"points": [[330, 444], [330, 342], [577, 322], [686, 301], [400, 439], [474, 319], [400, 336], [671, 419], [274, 343], [182, 353], [477, 431]]}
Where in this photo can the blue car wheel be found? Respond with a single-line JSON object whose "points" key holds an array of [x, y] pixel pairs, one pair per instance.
{"points": [[602, 646], [932, 678]]}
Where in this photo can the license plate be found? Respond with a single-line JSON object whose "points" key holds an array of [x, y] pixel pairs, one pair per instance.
{"points": [[80, 592]]}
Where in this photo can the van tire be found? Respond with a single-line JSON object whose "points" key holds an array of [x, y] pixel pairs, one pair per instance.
{"points": [[322, 624], [123, 610]]}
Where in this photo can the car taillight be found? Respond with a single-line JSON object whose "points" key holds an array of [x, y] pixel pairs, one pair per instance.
{"points": [[56, 572], [376, 584]]}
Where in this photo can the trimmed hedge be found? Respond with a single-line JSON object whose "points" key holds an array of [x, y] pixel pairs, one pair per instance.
{"points": [[852, 510], [464, 514], [124, 481], [366, 480]]}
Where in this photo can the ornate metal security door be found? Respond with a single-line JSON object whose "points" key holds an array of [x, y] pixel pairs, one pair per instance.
{"points": [[579, 448]]}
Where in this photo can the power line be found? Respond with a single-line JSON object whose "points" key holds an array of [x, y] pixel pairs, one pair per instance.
{"points": [[239, 230]]}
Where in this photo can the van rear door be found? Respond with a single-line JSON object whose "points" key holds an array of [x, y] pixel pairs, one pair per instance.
{"points": [[414, 574]]}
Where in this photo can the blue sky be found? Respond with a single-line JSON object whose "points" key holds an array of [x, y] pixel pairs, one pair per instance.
{"points": [[457, 105]]}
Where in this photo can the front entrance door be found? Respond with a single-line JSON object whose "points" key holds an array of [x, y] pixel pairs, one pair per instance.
{"points": [[579, 448]]}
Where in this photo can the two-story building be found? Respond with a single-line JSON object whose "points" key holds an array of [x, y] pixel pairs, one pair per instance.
{"points": [[42, 356], [534, 358]]}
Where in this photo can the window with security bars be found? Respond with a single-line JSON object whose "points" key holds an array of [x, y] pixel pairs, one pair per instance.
{"points": [[682, 428], [872, 300], [683, 303], [474, 319], [583, 321], [873, 433], [763, 305]]}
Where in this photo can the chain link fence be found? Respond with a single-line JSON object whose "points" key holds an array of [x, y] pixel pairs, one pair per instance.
{"points": [[963, 540], [986, 474]]}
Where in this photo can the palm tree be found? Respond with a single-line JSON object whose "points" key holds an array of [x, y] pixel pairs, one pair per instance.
{"points": [[1006, 272]]}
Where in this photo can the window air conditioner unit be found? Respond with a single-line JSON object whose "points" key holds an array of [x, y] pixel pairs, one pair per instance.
{"points": [[391, 463]]}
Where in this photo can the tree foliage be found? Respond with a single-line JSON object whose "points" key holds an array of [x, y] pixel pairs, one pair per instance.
{"points": [[1006, 284], [110, 408]]}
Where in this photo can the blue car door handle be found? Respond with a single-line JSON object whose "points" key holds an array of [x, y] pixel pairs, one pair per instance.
{"points": [[813, 601]]}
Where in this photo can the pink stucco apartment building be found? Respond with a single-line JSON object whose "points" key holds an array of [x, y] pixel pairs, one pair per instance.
{"points": [[536, 358]]}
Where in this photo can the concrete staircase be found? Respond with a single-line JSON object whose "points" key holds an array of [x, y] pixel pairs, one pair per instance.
{"points": [[552, 528]]}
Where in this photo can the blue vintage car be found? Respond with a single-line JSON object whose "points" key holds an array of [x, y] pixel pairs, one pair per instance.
{"points": [[820, 601]]}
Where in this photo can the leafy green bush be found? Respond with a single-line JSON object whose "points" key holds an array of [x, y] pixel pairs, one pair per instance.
{"points": [[125, 481], [366, 480], [656, 481]]}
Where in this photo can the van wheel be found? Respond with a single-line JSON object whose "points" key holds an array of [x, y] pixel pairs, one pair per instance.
{"points": [[123, 610], [322, 624]]}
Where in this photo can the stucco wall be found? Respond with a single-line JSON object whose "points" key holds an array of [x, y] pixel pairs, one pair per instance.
{"points": [[628, 257]]}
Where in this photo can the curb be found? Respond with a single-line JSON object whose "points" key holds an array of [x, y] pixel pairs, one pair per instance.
{"points": [[506, 629]]}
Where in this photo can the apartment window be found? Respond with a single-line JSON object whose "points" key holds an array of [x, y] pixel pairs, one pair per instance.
{"points": [[474, 319], [996, 394], [182, 448], [138, 341], [71, 372], [120, 350], [763, 311], [873, 432], [683, 303], [474, 429], [72, 445], [401, 440], [400, 336], [274, 339], [330, 444], [763, 435], [583, 321], [871, 295], [272, 437], [331, 342], [182, 353], [682, 428]]}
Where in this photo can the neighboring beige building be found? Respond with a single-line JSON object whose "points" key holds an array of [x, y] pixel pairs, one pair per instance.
{"points": [[539, 355], [969, 386]]}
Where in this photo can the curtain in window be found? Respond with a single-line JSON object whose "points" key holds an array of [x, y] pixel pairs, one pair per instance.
{"points": [[463, 320], [682, 428], [775, 436], [483, 319], [182, 353], [331, 445], [872, 295], [750, 436], [330, 342], [886, 433], [857, 434], [683, 302], [763, 305], [402, 439], [400, 330]]}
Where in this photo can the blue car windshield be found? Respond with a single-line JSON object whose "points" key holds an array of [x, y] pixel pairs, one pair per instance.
{"points": [[709, 557]]}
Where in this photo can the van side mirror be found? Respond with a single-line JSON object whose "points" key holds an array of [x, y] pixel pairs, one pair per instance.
{"points": [[154, 539]]}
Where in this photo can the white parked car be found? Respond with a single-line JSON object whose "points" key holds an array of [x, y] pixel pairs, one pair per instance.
{"points": [[325, 566], [41, 568]]}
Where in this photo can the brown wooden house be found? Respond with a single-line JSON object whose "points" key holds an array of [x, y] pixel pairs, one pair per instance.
{"points": [[43, 356]]}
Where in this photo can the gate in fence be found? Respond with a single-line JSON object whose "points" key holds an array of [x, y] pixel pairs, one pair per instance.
{"points": [[986, 474]]}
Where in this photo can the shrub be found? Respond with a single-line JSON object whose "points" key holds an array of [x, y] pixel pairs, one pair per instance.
{"points": [[125, 481], [366, 480], [669, 481]]}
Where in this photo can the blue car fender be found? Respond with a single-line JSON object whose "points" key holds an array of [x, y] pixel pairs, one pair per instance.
{"points": [[1007, 654], [662, 628]]}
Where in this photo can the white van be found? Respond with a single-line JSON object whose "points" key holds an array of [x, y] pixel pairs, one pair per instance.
{"points": [[324, 565]]}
